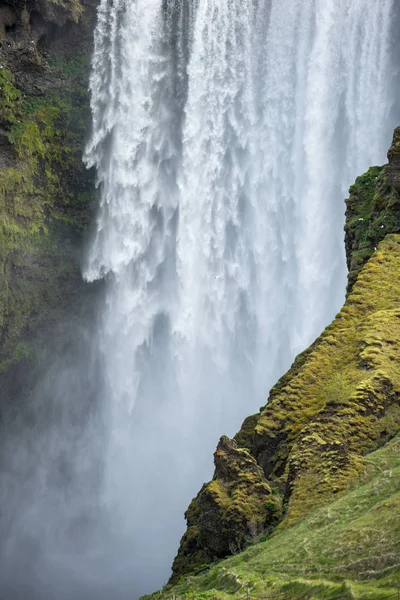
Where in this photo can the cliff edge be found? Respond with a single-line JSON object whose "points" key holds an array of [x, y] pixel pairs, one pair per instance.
{"points": [[339, 402]]}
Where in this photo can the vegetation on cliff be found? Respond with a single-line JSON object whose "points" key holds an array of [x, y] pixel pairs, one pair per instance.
{"points": [[45, 190], [372, 211], [348, 549], [236, 506], [338, 403], [302, 486]]}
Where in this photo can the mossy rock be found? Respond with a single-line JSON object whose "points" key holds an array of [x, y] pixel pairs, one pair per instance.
{"points": [[339, 402], [344, 401], [46, 192], [347, 548], [372, 211], [230, 511], [394, 160]]}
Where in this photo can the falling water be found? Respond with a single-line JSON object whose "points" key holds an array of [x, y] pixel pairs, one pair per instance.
{"points": [[225, 135]]}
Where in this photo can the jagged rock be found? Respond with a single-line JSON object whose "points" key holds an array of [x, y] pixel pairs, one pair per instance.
{"points": [[61, 11], [236, 506], [338, 402], [394, 160]]}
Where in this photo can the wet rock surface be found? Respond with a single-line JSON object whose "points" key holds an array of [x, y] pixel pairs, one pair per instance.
{"points": [[45, 190]]}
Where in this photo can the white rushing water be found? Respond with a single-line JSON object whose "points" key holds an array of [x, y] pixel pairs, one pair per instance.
{"points": [[225, 136]]}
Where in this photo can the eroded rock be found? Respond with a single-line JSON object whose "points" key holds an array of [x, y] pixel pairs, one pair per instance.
{"points": [[234, 508]]}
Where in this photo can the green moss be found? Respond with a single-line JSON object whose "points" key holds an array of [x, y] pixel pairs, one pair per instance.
{"points": [[9, 97], [372, 211], [244, 437], [350, 548], [74, 68], [73, 8], [394, 150], [339, 402], [44, 201], [343, 402], [234, 508]]}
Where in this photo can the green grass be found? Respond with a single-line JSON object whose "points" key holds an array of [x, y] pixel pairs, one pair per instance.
{"points": [[348, 549], [338, 403]]}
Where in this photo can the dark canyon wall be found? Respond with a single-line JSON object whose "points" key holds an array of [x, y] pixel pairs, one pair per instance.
{"points": [[45, 191]]}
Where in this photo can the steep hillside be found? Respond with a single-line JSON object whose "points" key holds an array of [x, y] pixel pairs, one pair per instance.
{"points": [[349, 549], [338, 403]]}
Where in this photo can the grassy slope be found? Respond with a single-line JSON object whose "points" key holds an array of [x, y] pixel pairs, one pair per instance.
{"points": [[350, 548], [337, 405], [339, 402]]}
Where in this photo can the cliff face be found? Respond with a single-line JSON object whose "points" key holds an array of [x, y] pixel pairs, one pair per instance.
{"points": [[45, 190], [340, 399], [372, 211], [348, 548], [338, 402]]}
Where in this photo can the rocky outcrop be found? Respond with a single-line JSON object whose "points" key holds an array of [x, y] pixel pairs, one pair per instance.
{"points": [[347, 548], [45, 190], [235, 507], [372, 211], [338, 402], [394, 161], [33, 30]]}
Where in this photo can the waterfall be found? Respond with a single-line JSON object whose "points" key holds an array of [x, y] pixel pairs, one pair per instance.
{"points": [[225, 135]]}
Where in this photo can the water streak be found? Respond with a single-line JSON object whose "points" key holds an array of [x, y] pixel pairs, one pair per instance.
{"points": [[225, 135]]}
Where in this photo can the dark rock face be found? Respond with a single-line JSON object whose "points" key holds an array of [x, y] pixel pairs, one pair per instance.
{"points": [[372, 211], [338, 401], [394, 161], [235, 507], [45, 190], [31, 29]]}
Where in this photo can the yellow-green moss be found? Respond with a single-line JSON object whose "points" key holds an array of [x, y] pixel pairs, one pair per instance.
{"points": [[9, 96], [344, 401], [244, 437], [44, 198], [338, 402], [349, 548], [235, 507], [395, 147]]}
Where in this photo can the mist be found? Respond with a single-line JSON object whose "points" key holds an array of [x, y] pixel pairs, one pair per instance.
{"points": [[224, 138]]}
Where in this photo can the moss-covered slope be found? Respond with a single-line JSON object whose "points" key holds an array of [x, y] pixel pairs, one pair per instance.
{"points": [[348, 549], [338, 402]]}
